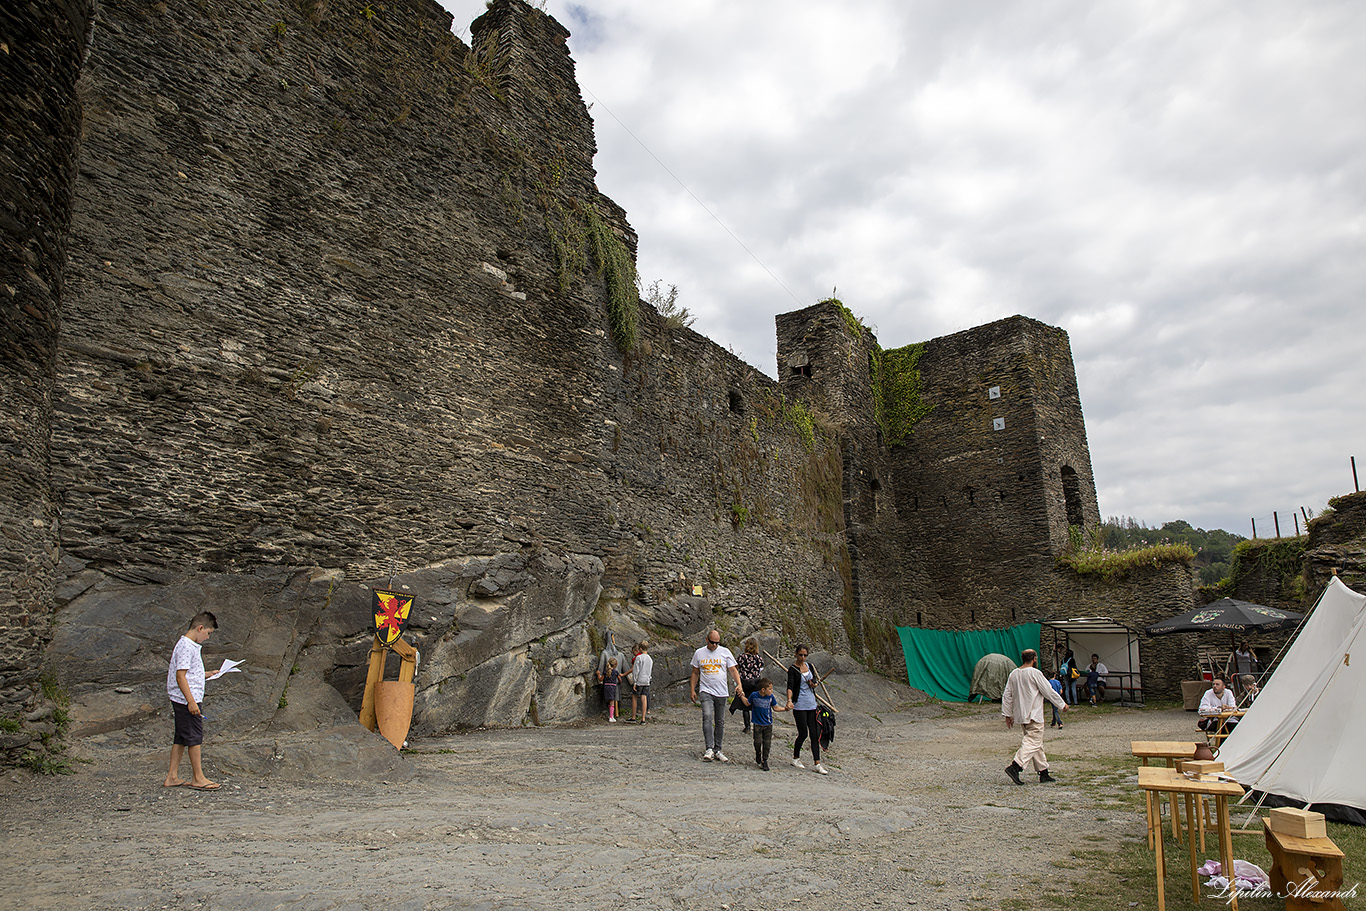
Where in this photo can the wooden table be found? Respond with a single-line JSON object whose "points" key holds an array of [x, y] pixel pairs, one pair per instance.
{"points": [[1217, 737], [1293, 860], [1155, 781], [1170, 750]]}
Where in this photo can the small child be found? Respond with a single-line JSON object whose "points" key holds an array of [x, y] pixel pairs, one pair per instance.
{"points": [[1054, 682], [1092, 683], [611, 682], [185, 687], [762, 704]]}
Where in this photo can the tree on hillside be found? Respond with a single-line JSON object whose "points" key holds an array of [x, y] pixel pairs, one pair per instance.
{"points": [[1213, 549]]}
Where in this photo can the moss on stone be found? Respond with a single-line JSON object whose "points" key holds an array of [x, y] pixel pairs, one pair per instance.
{"points": [[897, 388]]}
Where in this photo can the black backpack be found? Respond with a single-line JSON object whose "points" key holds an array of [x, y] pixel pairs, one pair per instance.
{"points": [[826, 718]]}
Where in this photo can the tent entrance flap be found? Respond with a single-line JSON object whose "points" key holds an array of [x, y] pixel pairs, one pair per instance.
{"points": [[940, 661]]}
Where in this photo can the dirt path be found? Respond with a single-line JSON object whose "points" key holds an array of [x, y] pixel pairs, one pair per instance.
{"points": [[916, 812]]}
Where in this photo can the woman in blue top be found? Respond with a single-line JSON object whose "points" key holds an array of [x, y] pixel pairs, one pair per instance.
{"points": [[801, 699]]}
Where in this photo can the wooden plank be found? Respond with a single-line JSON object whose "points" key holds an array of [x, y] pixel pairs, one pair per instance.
{"points": [[1162, 749], [1321, 847]]}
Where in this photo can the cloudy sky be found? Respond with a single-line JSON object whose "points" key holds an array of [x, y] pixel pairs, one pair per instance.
{"points": [[1181, 186]]}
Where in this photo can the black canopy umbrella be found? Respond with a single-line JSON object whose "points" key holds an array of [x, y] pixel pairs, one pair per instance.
{"points": [[1228, 614]]}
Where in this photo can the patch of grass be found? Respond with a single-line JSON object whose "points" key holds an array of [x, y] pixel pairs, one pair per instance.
{"points": [[10, 725], [1122, 868], [47, 762], [1111, 565], [52, 691]]}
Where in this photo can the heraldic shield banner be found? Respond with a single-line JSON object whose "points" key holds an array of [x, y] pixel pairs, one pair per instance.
{"points": [[391, 614]]}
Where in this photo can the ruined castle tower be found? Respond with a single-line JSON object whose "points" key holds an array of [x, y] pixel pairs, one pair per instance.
{"points": [[960, 521]]}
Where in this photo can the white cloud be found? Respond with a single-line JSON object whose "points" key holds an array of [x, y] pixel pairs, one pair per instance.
{"points": [[1180, 186]]}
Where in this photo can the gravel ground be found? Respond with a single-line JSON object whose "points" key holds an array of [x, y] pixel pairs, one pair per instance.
{"points": [[916, 813]]}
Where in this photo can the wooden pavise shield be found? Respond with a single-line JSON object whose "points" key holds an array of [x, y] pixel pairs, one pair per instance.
{"points": [[387, 705]]}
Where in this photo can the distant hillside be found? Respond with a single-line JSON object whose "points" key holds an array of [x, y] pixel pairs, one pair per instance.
{"points": [[1213, 548]]}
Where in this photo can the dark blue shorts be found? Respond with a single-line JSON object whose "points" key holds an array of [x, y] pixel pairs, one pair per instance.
{"points": [[189, 729]]}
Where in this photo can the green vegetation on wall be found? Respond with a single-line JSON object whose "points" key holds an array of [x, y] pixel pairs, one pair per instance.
{"points": [[894, 374], [897, 387], [852, 324], [1111, 565], [575, 229], [619, 273], [1279, 561]]}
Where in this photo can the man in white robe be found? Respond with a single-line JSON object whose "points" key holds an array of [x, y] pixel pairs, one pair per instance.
{"points": [[1022, 702]]}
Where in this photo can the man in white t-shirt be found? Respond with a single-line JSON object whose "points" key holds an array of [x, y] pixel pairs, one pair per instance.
{"points": [[710, 665]]}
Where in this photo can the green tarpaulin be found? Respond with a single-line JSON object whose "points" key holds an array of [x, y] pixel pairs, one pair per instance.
{"points": [[940, 661]]}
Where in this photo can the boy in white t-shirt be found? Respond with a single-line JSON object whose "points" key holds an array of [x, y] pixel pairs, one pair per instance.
{"points": [[185, 686]]}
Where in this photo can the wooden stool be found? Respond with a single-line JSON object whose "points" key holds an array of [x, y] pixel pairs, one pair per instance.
{"points": [[1306, 865]]}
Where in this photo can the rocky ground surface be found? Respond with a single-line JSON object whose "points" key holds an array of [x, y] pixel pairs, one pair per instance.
{"points": [[916, 812]]}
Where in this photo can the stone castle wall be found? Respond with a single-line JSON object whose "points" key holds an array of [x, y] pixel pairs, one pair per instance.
{"points": [[42, 115], [333, 315], [958, 526], [330, 307]]}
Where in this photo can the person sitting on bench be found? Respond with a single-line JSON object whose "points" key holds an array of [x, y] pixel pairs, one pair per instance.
{"points": [[1095, 680], [1217, 699]]}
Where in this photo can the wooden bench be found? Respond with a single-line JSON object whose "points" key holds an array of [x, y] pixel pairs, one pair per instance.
{"points": [[1305, 865]]}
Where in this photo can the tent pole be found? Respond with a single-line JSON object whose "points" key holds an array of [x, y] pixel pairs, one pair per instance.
{"points": [[1254, 809]]}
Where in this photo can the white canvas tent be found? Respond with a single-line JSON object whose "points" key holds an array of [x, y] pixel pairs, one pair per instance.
{"points": [[1303, 739]]}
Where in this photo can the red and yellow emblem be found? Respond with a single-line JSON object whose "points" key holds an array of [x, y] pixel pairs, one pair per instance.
{"points": [[391, 613]]}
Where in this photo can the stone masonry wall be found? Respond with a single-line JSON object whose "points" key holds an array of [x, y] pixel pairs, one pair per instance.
{"points": [[334, 315], [824, 360], [41, 115], [979, 484], [960, 525], [331, 307]]}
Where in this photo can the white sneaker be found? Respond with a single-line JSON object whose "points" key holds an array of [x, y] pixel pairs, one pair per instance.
{"points": [[820, 768], [707, 756], [798, 763], [722, 757]]}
